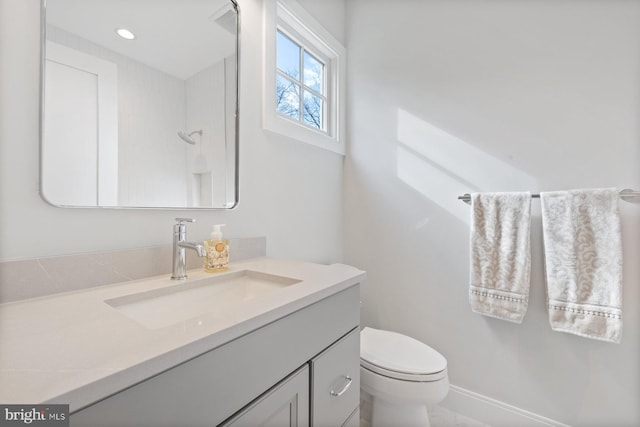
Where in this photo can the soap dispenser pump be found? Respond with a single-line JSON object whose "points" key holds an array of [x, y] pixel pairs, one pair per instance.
{"points": [[217, 251]]}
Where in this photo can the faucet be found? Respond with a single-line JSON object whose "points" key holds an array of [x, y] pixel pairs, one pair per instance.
{"points": [[179, 245]]}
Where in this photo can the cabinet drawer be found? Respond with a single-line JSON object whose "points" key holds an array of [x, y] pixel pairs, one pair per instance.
{"points": [[336, 381]]}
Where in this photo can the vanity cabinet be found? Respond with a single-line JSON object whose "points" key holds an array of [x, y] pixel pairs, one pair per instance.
{"points": [[300, 370], [335, 387], [332, 383], [287, 404]]}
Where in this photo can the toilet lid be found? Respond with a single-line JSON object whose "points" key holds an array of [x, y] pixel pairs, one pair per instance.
{"points": [[399, 353]]}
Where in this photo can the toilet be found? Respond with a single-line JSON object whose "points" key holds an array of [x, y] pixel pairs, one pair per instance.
{"points": [[399, 377]]}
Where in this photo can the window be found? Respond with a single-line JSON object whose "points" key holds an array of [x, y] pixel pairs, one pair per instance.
{"points": [[300, 86], [303, 79]]}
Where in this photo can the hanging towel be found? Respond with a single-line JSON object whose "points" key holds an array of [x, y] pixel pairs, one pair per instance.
{"points": [[500, 254], [583, 262]]}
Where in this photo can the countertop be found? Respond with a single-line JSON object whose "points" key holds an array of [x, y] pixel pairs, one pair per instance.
{"points": [[74, 348]]}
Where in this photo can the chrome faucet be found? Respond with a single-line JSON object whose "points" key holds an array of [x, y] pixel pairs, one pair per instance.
{"points": [[179, 245]]}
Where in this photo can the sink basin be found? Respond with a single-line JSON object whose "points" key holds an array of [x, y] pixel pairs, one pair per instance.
{"points": [[183, 301]]}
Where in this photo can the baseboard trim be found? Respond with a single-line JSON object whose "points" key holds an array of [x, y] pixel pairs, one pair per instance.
{"points": [[493, 412]]}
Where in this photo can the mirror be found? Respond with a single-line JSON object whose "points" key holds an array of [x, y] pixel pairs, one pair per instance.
{"points": [[139, 103]]}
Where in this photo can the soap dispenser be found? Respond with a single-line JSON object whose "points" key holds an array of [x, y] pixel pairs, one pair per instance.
{"points": [[217, 251]]}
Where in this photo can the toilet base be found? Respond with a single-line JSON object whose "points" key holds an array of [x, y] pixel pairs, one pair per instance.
{"points": [[377, 412]]}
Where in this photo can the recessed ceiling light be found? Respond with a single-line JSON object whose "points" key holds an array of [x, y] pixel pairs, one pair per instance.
{"points": [[125, 34]]}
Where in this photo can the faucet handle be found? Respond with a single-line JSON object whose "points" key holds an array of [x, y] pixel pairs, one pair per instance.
{"points": [[181, 228], [183, 220]]}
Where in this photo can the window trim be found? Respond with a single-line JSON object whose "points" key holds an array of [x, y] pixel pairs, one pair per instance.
{"points": [[305, 30]]}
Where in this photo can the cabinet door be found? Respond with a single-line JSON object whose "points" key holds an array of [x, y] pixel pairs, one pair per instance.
{"points": [[286, 404], [353, 420], [335, 380]]}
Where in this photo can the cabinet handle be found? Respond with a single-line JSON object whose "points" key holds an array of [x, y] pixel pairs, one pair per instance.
{"points": [[345, 387]]}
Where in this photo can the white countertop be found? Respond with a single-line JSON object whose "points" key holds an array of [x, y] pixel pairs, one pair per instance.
{"points": [[75, 348]]}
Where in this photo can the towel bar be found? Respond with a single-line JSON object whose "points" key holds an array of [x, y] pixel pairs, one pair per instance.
{"points": [[627, 195]]}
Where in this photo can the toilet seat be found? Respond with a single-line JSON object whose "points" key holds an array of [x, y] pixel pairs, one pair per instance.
{"points": [[400, 357], [402, 375]]}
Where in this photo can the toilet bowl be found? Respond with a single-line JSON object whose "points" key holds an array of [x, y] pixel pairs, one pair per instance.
{"points": [[399, 377]]}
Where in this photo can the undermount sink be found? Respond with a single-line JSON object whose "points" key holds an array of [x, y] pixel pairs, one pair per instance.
{"points": [[184, 301]]}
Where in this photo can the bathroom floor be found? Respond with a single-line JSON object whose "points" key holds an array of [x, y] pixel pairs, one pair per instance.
{"points": [[442, 417]]}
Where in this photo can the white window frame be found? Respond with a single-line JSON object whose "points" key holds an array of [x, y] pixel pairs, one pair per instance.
{"points": [[305, 30]]}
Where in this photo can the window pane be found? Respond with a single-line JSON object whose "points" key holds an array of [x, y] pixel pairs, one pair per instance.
{"points": [[287, 97], [288, 56], [313, 70], [313, 110]]}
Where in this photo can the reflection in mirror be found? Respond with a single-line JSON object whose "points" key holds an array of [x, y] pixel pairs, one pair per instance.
{"points": [[140, 103]]}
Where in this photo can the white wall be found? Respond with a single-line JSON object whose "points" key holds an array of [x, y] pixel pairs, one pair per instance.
{"points": [[532, 95], [208, 154], [289, 192]]}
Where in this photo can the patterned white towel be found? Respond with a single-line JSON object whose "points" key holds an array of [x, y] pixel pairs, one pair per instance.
{"points": [[583, 261], [500, 254]]}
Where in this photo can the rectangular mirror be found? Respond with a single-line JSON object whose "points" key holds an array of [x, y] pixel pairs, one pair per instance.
{"points": [[139, 103]]}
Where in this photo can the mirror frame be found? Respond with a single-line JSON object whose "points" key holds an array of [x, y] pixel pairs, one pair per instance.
{"points": [[236, 143]]}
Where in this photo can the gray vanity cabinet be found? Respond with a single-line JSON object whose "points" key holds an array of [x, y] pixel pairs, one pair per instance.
{"points": [[332, 383], [289, 372], [335, 384], [287, 404]]}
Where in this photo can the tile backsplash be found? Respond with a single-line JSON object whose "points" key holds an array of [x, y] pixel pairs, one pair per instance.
{"points": [[44, 276]]}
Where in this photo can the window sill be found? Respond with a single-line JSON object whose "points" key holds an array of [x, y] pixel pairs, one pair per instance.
{"points": [[289, 128]]}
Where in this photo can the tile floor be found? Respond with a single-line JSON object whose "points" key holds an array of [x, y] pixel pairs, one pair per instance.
{"points": [[443, 417]]}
